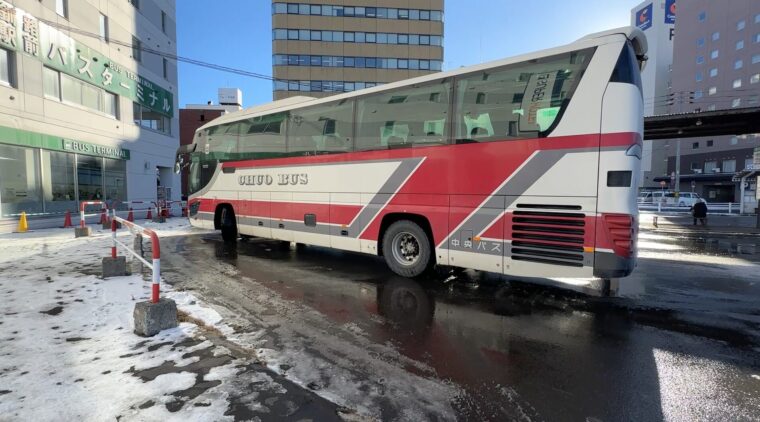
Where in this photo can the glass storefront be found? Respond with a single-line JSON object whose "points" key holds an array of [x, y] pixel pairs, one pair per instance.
{"points": [[40, 181]]}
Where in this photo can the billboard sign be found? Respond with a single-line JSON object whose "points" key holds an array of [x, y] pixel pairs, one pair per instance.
{"points": [[670, 11], [644, 18]]}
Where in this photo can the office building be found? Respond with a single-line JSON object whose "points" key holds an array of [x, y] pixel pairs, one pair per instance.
{"points": [[716, 66], [323, 47], [657, 20], [87, 105]]}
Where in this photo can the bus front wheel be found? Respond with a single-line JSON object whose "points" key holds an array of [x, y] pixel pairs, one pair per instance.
{"points": [[228, 225], [406, 248]]}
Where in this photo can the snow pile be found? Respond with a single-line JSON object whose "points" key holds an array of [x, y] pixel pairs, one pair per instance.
{"points": [[68, 351]]}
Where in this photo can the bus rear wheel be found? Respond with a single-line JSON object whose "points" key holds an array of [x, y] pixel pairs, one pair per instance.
{"points": [[406, 248], [228, 225]]}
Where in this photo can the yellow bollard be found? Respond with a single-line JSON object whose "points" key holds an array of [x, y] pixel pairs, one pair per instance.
{"points": [[22, 224]]}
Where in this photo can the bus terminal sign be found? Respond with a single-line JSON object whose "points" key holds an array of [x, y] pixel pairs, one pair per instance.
{"points": [[23, 32], [96, 150]]}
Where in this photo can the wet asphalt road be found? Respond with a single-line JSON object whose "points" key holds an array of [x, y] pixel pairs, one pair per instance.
{"points": [[681, 343]]}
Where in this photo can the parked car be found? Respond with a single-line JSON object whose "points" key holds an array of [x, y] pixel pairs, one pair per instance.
{"points": [[684, 199]]}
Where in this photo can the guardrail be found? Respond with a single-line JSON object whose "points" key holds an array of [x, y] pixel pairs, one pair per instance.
{"points": [[155, 265], [712, 207], [83, 204]]}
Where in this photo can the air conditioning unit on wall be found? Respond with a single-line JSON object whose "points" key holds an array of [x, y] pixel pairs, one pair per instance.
{"points": [[697, 171], [716, 170]]}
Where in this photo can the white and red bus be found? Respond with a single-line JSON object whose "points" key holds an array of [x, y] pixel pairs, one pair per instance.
{"points": [[525, 166]]}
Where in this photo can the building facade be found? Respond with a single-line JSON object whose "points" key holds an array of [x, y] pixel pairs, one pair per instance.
{"points": [[657, 19], [88, 94], [716, 65], [193, 116], [323, 47]]}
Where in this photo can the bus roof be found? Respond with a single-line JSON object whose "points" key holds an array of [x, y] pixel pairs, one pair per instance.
{"points": [[635, 35]]}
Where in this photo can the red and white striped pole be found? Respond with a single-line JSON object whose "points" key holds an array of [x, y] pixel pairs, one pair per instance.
{"points": [[81, 215], [114, 225], [156, 275]]}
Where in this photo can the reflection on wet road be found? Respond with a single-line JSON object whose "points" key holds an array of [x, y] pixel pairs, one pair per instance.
{"points": [[475, 346]]}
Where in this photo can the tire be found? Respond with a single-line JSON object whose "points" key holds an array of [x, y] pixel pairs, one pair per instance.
{"points": [[407, 249], [228, 225]]}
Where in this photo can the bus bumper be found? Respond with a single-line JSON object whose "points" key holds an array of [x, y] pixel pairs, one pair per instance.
{"points": [[609, 265]]}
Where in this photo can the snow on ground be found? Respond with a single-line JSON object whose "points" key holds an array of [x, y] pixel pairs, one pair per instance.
{"points": [[68, 351]]}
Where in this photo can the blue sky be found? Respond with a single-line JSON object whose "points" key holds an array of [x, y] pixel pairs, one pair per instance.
{"points": [[238, 34]]}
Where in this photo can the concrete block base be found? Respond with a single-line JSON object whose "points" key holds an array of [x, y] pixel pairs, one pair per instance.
{"points": [[114, 267], [152, 318], [82, 231], [160, 219]]}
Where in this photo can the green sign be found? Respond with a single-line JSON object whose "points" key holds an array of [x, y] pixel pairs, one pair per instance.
{"points": [[40, 140], [21, 31], [93, 149]]}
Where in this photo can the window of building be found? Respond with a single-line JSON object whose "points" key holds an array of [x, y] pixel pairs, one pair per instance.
{"points": [[748, 163], [408, 117], [700, 59], [700, 42], [757, 18], [136, 49], [728, 166], [753, 100], [58, 185], [698, 94], [150, 119], [754, 78], [716, 36], [738, 64], [20, 188], [103, 27], [6, 67], [709, 143], [699, 76], [712, 91], [711, 107], [710, 166], [734, 140], [163, 21], [702, 16], [714, 54], [62, 87], [757, 38], [695, 145], [62, 8], [135, 3], [740, 25], [737, 83], [740, 44], [736, 102], [695, 166], [756, 59], [713, 72]]}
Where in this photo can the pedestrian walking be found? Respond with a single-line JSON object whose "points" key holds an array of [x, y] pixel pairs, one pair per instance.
{"points": [[699, 212]]}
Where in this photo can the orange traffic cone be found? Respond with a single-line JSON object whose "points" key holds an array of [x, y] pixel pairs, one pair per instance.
{"points": [[103, 217], [130, 216], [22, 224], [67, 220], [150, 215]]}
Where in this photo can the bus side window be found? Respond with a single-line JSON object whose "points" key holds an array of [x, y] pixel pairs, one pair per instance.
{"points": [[323, 129], [522, 100], [264, 137], [414, 116]]}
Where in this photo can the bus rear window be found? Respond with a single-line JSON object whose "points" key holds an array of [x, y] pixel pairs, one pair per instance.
{"points": [[524, 100]]}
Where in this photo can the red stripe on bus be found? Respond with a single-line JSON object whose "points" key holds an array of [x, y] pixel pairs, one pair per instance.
{"points": [[326, 213]]}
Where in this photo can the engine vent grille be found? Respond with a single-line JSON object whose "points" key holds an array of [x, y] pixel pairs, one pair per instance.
{"points": [[548, 237]]}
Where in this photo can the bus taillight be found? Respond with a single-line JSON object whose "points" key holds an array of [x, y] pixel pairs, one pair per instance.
{"points": [[620, 229]]}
